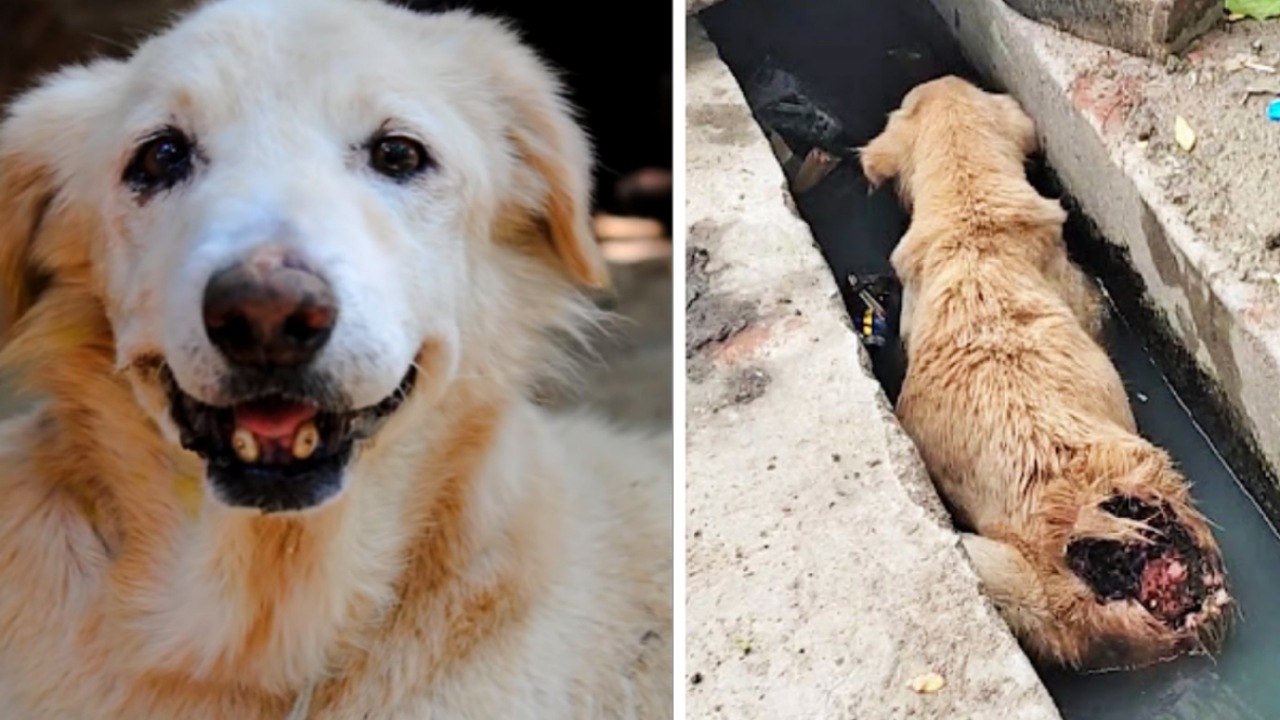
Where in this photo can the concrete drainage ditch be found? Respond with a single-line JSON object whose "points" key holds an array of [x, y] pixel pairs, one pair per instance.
{"points": [[859, 60]]}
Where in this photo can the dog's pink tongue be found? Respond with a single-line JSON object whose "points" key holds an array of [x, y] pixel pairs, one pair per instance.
{"points": [[278, 421]]}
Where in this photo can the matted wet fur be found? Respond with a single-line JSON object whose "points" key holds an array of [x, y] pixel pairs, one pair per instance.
{"points": [[1087, 540], [465, 554]]}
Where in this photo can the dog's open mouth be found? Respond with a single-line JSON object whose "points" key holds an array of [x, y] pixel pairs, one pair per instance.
{"points": [[276, 451], [1178, 582]]}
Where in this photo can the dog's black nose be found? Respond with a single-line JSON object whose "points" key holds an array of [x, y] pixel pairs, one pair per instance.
{"points": [[269, 310]]}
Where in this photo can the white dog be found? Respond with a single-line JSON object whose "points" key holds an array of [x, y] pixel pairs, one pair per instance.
{"points": [[281, 282]]}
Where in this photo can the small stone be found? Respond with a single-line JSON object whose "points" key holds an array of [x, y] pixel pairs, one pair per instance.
{"points": [[927, 684], [1183, 134]]}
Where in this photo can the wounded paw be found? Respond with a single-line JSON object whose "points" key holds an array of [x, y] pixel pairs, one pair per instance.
{"points": [[1178, 582]]}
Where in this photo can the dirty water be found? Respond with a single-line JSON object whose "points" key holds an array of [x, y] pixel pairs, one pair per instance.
{"points": [[857, 60]]}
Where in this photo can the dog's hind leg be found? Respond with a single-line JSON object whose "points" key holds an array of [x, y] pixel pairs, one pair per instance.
{"points": [[1012, 584], [1081, 294], [905, 322], [1017, 590]]}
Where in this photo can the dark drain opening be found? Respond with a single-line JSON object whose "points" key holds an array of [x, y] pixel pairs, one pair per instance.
{"points": [[857, 60]]}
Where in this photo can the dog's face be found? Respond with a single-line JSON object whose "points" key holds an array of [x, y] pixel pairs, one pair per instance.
{"points": [[946, 115], [296, 214]]}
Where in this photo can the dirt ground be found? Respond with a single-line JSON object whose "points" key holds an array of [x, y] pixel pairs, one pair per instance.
{"points": [[1221, 86]]}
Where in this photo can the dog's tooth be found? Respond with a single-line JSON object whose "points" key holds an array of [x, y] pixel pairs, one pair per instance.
{"points": [[305, 441], [245, 445]]}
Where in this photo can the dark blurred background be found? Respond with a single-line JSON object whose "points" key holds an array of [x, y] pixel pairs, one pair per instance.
{"points": [[618, 65]]}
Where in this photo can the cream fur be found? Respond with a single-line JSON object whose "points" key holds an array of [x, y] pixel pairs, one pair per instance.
{"points": [[485, 558], [1018, 412]]}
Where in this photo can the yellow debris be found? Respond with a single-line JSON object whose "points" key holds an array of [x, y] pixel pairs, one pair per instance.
{"points": [[1183, 134], [927, 684]]}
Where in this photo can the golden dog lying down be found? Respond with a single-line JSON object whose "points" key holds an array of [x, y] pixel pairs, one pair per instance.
{"points": [[1087, 540], [280, 284]]}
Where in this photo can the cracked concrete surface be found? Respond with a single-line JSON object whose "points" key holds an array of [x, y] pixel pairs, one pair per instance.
{"points": [[823, 574]]}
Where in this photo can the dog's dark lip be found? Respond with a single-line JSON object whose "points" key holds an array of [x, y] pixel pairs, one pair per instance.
{"points": [[207, 430]]}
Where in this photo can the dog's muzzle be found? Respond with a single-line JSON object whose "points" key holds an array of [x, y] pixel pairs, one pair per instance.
{"points": [[284, 440]]}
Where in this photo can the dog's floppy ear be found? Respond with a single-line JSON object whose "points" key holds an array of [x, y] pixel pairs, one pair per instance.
{"points": [[882, 157], [554, 148], [43, 129]]}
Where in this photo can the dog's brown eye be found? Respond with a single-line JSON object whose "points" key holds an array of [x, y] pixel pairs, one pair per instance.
{"points": [[398, 157], [161, 162]]}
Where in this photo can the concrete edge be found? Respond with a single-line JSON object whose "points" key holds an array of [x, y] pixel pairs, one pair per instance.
{"points": [[693, 7], [1221, 319], [1141, 27], [902, 595]]}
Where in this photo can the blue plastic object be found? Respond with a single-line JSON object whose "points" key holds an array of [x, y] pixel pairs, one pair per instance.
{"points": [[1273, 110]]}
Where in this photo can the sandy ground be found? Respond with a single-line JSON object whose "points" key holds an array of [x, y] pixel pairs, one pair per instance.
{"points": [[1226, 184]]}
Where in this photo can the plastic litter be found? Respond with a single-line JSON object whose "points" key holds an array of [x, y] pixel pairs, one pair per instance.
{"points": [[1273, 110], [806, 137], [872, 322]]}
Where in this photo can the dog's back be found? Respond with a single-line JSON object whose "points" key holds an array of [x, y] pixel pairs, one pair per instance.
{"points": [[998, 320], [1018, 411]]}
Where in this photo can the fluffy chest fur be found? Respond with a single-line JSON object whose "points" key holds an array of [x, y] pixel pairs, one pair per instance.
{"points": [[500, 595]]}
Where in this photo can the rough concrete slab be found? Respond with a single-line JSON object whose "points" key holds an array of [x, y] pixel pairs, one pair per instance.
{"points": [[823, 573], [1200, 227], [1151, 28]]}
